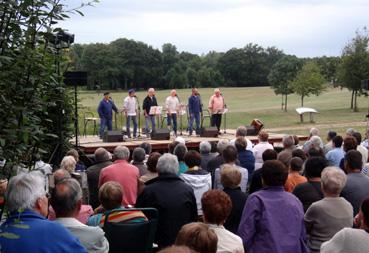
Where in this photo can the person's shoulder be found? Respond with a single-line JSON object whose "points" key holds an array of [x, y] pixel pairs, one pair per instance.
{"points": [[300, 188]]}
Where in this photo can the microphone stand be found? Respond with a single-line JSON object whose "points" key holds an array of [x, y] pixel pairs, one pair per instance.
{"points": [[225, 120], [180, 115], [139, 117]]}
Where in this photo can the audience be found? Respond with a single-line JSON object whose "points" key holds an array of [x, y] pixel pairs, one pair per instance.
{"points": [[197, 236], [272, 219], [311, 191], [102, 159], [138, 158], [230, 157], [357, 185], [299, 153], [124, 173], [259, 149], [363, 151], [79, 165], [218, 160], [197, 178], [110, 196], [66, 200], [151, 163], [206, 156], [288, 146], [336, 154], [350, 239], [172, 146], [241, 131], [326, 217], [365, 142], [246, 157], [180, 151], [329, 146], [26, 228], [294, 177], [174, 200], [216, 206], [230, 178], [256, 181], [314, 132], [68, 163], [349, 143], [148, 148]]}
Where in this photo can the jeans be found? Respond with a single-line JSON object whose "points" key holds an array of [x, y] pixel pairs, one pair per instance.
{"points": [[148, 119], [105, 123], [170, 118], [196, 117], [216, 120], [128, 125]]}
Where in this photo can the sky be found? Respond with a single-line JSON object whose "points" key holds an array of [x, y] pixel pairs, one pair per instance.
{"points": [[305, 28]]}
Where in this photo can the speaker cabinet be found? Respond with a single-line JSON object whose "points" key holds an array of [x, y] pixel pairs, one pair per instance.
{"points": [[113, 136], [209, 132], [255, 127], [160, 134]]}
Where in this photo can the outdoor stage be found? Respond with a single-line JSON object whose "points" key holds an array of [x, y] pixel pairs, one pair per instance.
{"points": [[90, 143]]}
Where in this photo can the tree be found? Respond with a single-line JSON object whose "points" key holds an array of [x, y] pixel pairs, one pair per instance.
{"points": [[354, 65], [281, 75], [309, 81]]}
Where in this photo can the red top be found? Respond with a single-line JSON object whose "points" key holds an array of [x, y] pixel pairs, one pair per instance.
{"points": [[126, 175]]}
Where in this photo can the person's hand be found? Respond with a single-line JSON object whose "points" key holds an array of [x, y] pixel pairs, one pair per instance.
{"points": [[358, 220]]}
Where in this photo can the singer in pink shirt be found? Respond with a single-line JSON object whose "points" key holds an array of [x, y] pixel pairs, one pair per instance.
{"points": [[216, 107]]}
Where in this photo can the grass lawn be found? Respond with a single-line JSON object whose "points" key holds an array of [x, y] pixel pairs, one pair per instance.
{"points": [[245, 104]]}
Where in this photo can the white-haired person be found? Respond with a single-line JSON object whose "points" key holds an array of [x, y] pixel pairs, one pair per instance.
{"points": [[27, 229], [206, 155], [314, 132], [174, 199], [259, 148], [326, 217], [150, 100], [172, 107], [216, 108], [68, 163]]}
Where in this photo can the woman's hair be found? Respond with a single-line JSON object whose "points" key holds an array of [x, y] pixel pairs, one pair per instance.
{"points": [[230, 176], [199, 237], [274, 173], [110, 195], [192, 158], [333, 180], [68, 163], [216, 206], [263, 136]]}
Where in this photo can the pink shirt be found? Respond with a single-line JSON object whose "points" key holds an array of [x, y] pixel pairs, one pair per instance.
{"points": [[85, 213], [126, 175], [216, 104]]}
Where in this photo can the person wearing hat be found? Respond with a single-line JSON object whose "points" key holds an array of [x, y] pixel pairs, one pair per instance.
{"points": [[130, 110], [104, 110], [172, 106], [216, 107]]}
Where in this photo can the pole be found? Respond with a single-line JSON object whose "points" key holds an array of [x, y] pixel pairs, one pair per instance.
{"points": [[76, 115]]}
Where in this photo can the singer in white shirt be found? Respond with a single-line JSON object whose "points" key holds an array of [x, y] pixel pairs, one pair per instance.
{"points": [[130, 110], [172, 106]]}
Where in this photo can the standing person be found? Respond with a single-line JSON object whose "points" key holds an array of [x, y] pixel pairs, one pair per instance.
{"points": [[150, 100], [105, 109], [194, 109], [216, 107], [172, 106], [130, 110]]}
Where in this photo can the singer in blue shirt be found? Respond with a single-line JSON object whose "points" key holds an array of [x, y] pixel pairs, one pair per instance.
{"points": [[105, 111]]}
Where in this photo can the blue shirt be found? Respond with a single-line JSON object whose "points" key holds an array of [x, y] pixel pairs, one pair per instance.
{"points": [[30, 232], [105, 109], [335, 156], [247, 160], [194, 104]]}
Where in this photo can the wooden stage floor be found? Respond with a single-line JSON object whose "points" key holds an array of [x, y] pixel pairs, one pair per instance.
{"points": [[90, 143]]}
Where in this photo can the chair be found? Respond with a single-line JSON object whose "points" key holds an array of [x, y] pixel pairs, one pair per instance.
{"points": [[204, 117], [132, 237], [89, 117]]}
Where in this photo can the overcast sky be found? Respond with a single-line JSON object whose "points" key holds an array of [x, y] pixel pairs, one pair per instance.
{"points": [[305, 28]]}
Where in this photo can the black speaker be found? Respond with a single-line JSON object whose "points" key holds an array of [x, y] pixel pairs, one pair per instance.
{"points": [[209, 132], [160, 134], [75, 78], [113, 136], [365, 84]]}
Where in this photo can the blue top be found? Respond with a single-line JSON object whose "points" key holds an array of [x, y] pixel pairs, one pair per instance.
{"points": [[247, 161], [30, 232], [105, 109], [194, 104], [182, 168], [335, 156]]}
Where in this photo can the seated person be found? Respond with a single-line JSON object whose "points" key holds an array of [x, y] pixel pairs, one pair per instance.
{"points": [[138, 158], [180, 151], [197, 236], [66, 199], [27, 203], [294, 177], [110, 196], [151, 171], [216, 206]]}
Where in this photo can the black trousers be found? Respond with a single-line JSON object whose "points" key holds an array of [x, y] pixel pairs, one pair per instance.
{"points": [[216, 120]]}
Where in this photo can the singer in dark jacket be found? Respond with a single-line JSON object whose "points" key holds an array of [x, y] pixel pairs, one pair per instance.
{"points": [[150, 100], [105, 109], [194, 109]]}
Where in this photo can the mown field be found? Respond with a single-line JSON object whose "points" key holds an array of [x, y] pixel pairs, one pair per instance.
{"points": [[246, 104]]}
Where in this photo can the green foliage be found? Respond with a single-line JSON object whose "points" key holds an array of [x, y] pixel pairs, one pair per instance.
{"points": [[309, 81], [354, 65], [34, 104]]}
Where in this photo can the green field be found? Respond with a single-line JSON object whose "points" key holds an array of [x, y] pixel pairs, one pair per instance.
{"points": [[246, 104]]}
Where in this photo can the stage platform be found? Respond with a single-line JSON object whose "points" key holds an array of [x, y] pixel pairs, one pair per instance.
{"points": [[90, 143]]}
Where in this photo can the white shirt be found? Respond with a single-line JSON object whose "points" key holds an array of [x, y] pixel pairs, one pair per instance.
{"points": [[227, 241], [130, 105], [347, 240], [364, 153], [258, 151], [172, 104]]}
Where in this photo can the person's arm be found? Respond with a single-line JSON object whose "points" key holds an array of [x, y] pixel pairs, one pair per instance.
{"points": [[190, 106], [113, 106], [144, 106], [336, 244], [100, 109], [309, 218], [211, 102], [217, 183]]}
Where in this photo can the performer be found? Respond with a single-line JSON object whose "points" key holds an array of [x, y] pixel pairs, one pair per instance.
{"points": [[216, 107], [194, 109], [150, 100], [172, 106], [130, 110], [105, 113]]}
